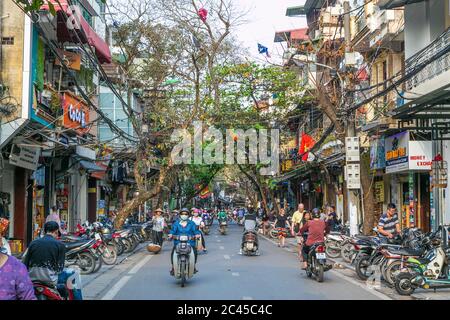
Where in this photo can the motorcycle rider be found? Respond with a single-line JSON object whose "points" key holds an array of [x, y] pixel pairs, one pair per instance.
{"points": [[45, 256], [317, 229], [184, 226], [250, 216], [206, 217], [222, 215], [200, 224]]}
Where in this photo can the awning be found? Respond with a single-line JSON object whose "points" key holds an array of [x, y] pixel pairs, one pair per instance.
{"points": [[290, 35], [86, 33], [391, 4], [90, 166], [100, 174]]}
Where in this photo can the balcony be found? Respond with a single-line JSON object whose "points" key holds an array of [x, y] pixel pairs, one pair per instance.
{"points": [[387, 27], [437, 70]]}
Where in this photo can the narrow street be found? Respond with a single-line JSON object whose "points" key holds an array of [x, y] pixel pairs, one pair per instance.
{"points": [[223, 274]]}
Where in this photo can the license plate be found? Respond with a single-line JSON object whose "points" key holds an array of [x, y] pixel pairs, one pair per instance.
{"points": [[97, 237], [321, 256]]}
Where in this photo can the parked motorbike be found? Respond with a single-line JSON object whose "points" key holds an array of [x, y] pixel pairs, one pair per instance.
{"points": [[249, 244], [431, 271], [80, 253], [183, 259], [317, 262]]}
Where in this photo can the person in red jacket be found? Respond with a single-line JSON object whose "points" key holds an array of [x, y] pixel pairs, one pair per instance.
{"points": [[317, 229]]}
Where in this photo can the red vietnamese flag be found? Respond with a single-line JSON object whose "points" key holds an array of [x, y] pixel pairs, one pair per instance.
{"points": [[306, 144]]}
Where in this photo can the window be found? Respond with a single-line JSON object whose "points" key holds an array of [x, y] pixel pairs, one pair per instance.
{"points": [[8, 40]]}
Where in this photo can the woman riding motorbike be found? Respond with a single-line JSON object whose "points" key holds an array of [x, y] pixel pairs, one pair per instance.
{"points": [[317, 229], [185, 227]]}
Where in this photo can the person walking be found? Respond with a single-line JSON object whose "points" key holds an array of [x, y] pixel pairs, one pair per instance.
{"points": [[54, 216], [280, 223], [297, 219], [158, 227], [332, 218]]}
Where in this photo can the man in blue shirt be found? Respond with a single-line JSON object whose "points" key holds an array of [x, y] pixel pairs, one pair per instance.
{"points": [[185, 227]]}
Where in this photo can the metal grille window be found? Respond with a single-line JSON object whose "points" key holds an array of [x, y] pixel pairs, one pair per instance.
{"points": [[8, 40]]}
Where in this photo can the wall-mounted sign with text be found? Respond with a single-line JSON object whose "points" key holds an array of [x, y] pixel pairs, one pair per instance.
{"points": [[404, 155], [76, 113]]}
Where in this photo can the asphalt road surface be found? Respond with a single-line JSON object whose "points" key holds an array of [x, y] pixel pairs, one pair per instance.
{"points": [[224, 274]]}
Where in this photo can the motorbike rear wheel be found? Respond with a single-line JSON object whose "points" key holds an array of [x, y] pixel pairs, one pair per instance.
{"points": [[362, 266], [346, 252], [119, 248], [392, 268], [86, 262], [98, 263], [319, 275], [332, 250], [109, 255], [128, 245]]}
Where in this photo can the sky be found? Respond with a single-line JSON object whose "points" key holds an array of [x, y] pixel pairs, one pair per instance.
{"points": [[264, 18]]}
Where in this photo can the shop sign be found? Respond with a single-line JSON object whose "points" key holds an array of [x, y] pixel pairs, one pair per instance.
{"points": [[24, 156], [379, 191], [404, 155], [76, 113]]}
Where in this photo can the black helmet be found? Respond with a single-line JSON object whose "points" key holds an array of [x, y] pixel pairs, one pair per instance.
{"points": [[315, 213], [184, 210], [51, 226]]}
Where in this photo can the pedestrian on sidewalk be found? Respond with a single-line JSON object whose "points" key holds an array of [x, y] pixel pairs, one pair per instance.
{"points": [[297, 219], [54, 216], [15, 283], [304, 235], [281, 223], [158, 227]]}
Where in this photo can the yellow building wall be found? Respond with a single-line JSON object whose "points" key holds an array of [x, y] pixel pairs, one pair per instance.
{"points": [[12, 55]]}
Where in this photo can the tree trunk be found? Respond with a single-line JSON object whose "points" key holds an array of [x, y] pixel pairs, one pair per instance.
{"points": [[144, 195], [367, 197]]}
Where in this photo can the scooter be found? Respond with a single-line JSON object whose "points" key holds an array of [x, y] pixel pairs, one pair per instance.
{"points": [[432, 271], [223, 227], [317, 262], [250, 240], [183, 259], [68, 287]]}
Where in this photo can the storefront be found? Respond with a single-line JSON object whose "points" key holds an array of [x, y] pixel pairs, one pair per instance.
{"points": [[409, 162]]}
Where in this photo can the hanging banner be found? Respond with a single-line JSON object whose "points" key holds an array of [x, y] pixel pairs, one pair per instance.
{"points": [[377, 154]]}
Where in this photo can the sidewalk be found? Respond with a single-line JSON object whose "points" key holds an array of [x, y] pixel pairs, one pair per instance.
{"points": [[346, 269]]}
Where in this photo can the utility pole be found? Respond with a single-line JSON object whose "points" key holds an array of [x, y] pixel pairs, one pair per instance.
{"points": [[353, 180]]}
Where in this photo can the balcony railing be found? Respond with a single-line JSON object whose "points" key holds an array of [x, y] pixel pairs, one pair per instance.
{"points": [[438, 49]]}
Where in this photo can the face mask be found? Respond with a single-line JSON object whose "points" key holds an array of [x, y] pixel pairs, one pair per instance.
{"points": [[184, 217]]}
